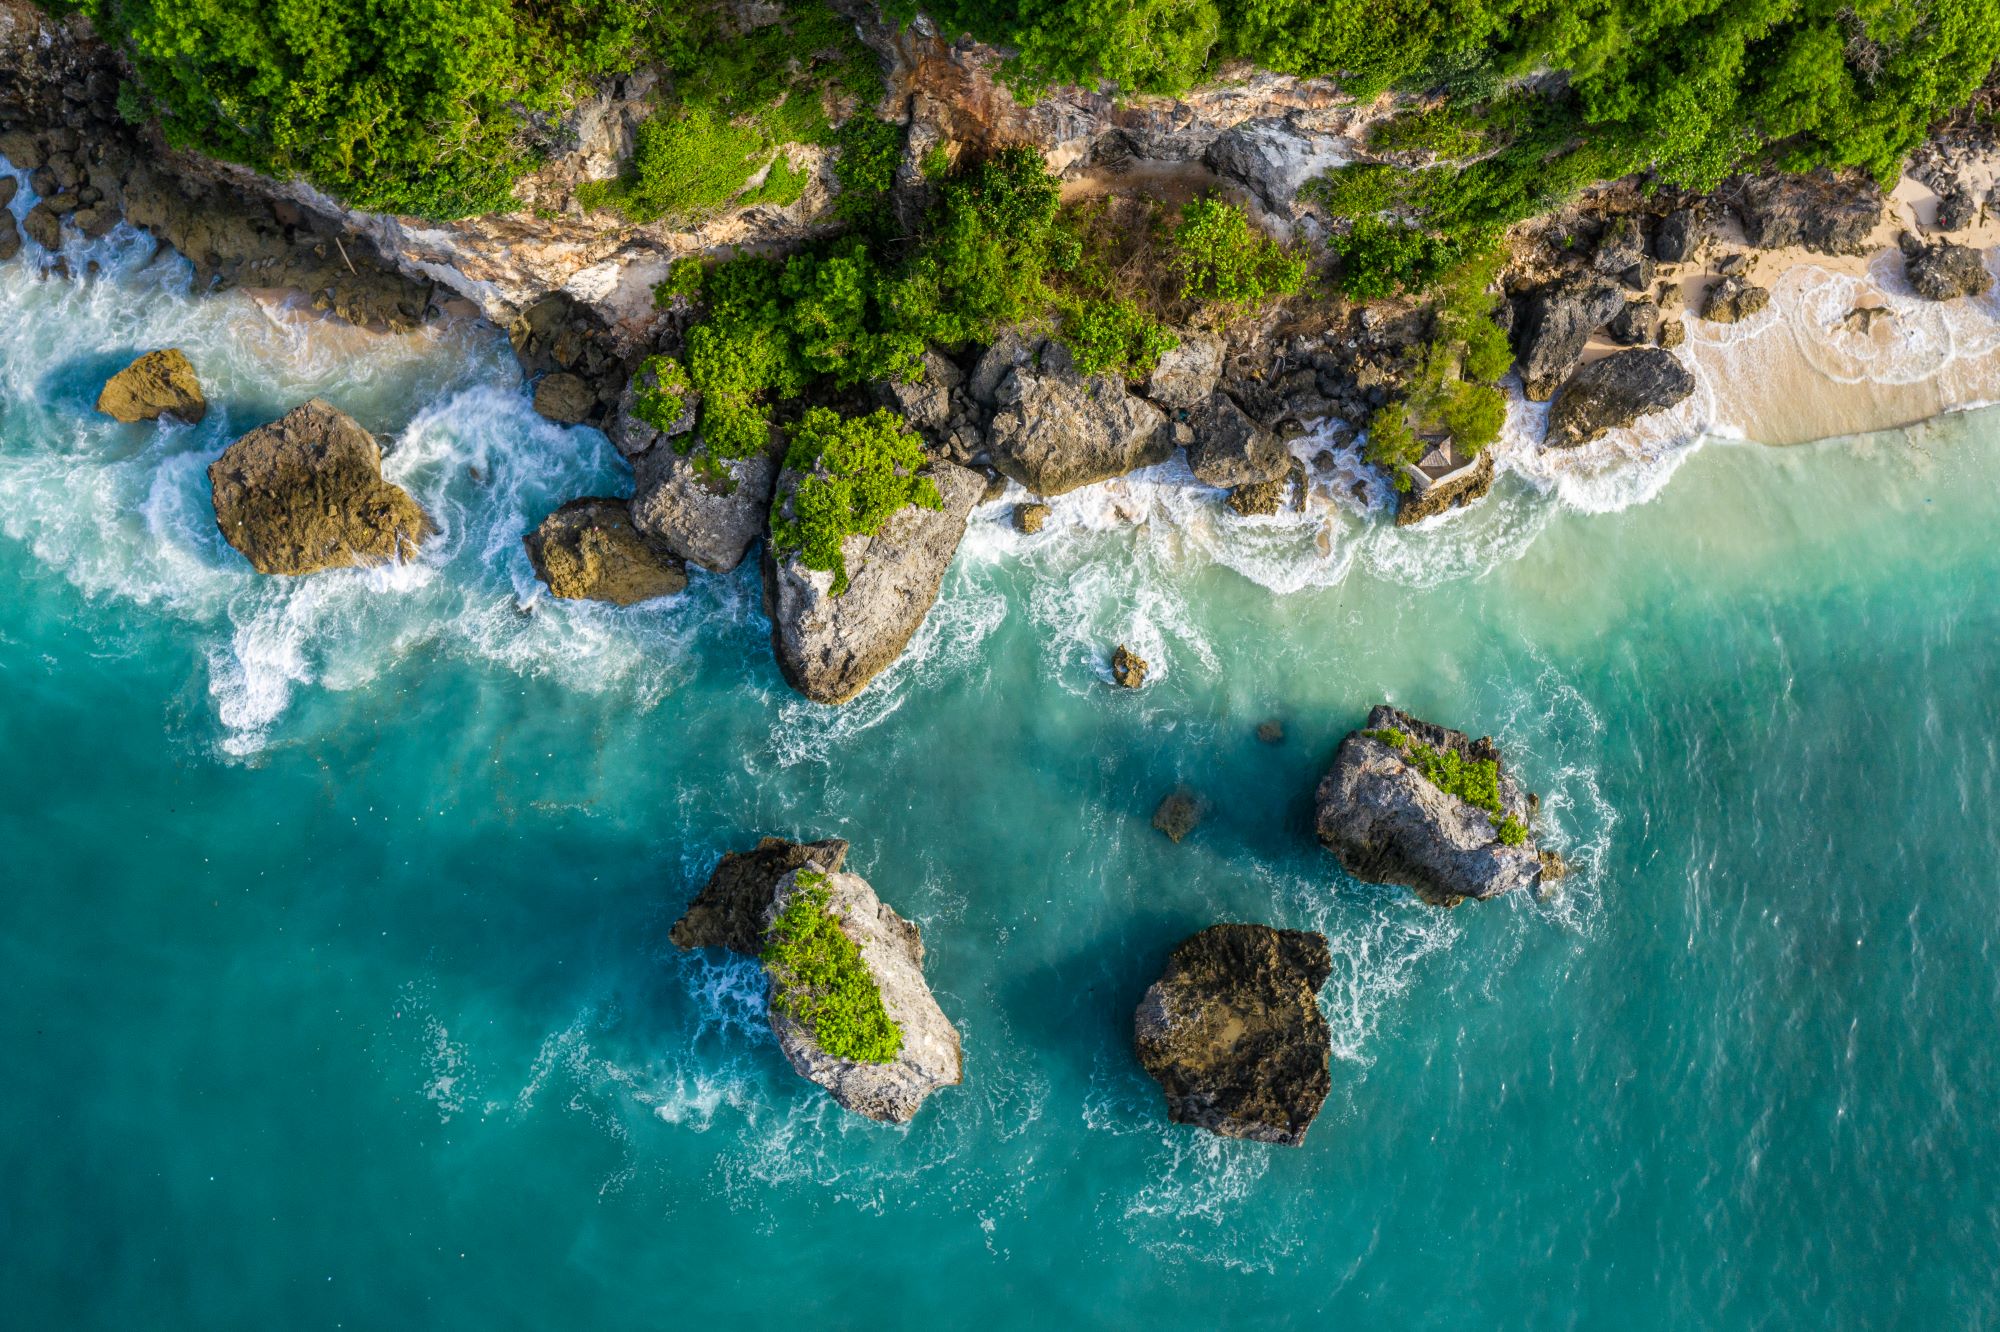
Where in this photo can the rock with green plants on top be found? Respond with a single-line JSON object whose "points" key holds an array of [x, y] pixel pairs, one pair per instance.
{"points": [[848, 1001], [1412, 803]]}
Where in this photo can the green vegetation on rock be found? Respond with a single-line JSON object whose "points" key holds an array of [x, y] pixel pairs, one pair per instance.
{"points": [[820, 981], [1223, 260], [1452, 386], [854, 474], [659, 392], [1510, 831], [1475, 781]]}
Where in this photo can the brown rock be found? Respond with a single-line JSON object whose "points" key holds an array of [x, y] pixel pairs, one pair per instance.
{"points": [[306, 493], [733, 905], [1178, 814], [1028, 518], [589, 549], [1128, 668], [564, 398], [160, 383]]}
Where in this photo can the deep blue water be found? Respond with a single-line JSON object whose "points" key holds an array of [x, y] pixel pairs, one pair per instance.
{"points": [[334, 980]]}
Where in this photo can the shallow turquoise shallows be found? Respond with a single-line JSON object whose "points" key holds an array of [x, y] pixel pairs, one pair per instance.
{"points": [[335, 988]]}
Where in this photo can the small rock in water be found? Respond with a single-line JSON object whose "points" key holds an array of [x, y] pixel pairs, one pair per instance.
{"points": [[588, 549], [1178, 814], [160, 383], [1028, 518], [1271, 732], [1733, 300], [1128, 668]]}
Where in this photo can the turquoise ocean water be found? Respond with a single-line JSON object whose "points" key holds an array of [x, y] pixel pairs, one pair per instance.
{"points": [[335, 988]]}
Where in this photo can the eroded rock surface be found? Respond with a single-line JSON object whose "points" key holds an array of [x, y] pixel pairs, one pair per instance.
{"points": [[1055, 429], [708, 513], [1233, 1033], [589, 549], [1231, 450], [1556, 326], [734, 906], [1822, 212], [160, 383], [1613, 392], [1944, 271], [306, 493]]}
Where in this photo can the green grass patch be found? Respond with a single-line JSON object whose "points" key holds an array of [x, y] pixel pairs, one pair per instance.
{"points": [[820, 981], [854, 474], [782, 187]]}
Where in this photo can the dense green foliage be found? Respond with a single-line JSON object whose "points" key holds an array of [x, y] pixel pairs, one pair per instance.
{"points": [[854, 473], [1451, 385], [1475, 781], [1510, 831], [659, 392], [1223, 260], [819, 979]]}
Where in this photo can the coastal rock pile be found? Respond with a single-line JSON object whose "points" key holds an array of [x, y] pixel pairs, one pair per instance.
{"points": [[1389, 823], [306, 493], [1944, 271], [930, 1056], [588, 548], [1820, 211], [830, 646], [1615, 391], [1055, 429], [1233, 1033], [160, 383]]}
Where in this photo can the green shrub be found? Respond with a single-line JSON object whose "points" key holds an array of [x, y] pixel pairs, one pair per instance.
{"points": [[1392, 443], [684, 165], [1472, 414], [659, 392], [820, 980], [1442, 129], [1510, 831], [1475, 781], [683, 282], [782, 188], [1114, 336], [866, 167], [1224, 260], [854, 474]]}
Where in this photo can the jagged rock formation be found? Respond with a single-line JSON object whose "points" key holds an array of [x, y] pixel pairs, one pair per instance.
{"points": [[1231, 450], [1733, 300], [1233, 1032], [1413, 506], [160, 383], [1556, 325], [733, 907], [1388, 823], [1944, 271], [1128, 668], [829, 647], [892, 950], [1678, 235], [306, 493], [588, 548], [1178, 814], [1055, 429], [708, 513], [1615, 391], [1186, 374], [1822, 212]]}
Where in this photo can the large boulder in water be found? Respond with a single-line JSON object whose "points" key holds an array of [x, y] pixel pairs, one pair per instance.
{"points": [[734, 905], [160, 383], [1233, 1032], [830, 646], [1819, 211], [1389, 822], [1556, 327], [1615, 391], [306, 493], [928, 1053], [1944, 271], [589, 549], [1055, 429], [708, 511]]}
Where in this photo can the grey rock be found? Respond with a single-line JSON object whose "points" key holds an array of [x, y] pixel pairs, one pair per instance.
{"points": [[1232, 450], [1634, 323], [734, 905], [1678, 236], [926, 403], [1055, 429], [1556, 326], [1009, 350], [1956, 210], [1733, 300], [1273, 158], [21, 149], [1622, 246], [708, 513], [1822, 212], [1614, 392], [1944, 271], [1233, 1032], [634, 435], [1388, 823], [1188, 374], [829, 647], [892, 949]]}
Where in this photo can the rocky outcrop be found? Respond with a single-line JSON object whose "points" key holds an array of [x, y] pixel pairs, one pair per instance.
{"points": [[1030, 518], [734, 906], [1186, 374], [1634, 323], [1820, 211], [1387, 822], [708, 513], [1055, 429], [589, 549], [1231, 450], [1612, 393], [892, 950], [829, 647], [1944, 271], [1677, 237], [1413, 506], [1233, 1033], [306, 493], [1556, 326], [1733, 300], [1178, 814], [160, 383], [564, 398], [1128, 668]]}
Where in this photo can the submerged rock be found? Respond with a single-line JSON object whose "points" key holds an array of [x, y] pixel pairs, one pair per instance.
{"points": [[1055, 429], [1128, 668], [1822, 212], [306, 493], [733, 907], [1178, 814], [1233, 1033], [1733, 300], [1389, 823], [829, 647], [589, 549], [931, 1055], [160, 383], [1613, 392], [10, 234], [1944, 271], [707, 512], [1558, 323]]}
